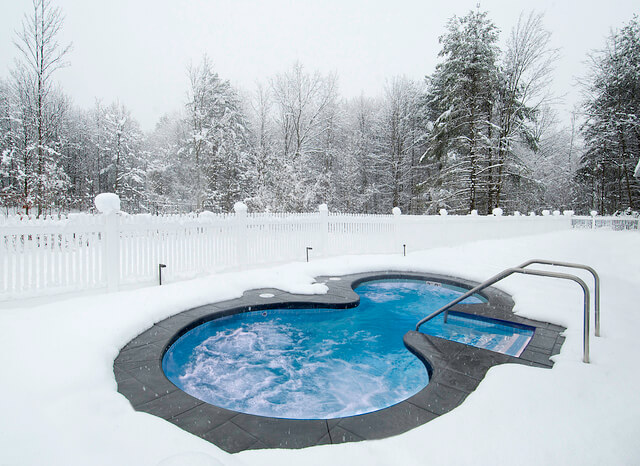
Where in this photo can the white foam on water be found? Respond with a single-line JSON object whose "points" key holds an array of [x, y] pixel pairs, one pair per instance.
{"points": [[263, 368]]}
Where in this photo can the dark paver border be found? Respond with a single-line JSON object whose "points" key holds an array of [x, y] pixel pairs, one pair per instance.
{"points": [[455, 370]]}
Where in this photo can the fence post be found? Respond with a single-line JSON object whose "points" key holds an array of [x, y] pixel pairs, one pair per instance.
{"points": [[397, 213], [240, 208], [108, 204], [324, 229]]}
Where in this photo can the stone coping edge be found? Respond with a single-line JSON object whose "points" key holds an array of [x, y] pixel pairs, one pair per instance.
{"points": [[455, 370]]}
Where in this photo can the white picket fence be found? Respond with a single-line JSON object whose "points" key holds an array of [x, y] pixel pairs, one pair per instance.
{"points": [[608, 223], [109, 251]]}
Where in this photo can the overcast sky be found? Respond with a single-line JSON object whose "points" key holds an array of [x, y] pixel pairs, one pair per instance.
{"points": [[137, 51]]}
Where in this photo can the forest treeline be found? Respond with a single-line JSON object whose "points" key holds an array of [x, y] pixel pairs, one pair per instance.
{"points": [[478, 133]]}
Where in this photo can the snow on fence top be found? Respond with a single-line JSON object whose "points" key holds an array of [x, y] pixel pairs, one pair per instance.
{"points": [[57, 254], [107, 203]]}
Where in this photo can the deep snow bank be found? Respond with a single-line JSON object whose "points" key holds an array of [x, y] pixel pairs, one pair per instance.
{"points": [[60, 405]]}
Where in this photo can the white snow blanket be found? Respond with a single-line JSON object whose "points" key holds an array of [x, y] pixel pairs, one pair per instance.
{"points": [[60, 406]]}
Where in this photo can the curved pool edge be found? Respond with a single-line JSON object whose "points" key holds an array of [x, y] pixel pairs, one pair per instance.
{"points": [[455, 370]]}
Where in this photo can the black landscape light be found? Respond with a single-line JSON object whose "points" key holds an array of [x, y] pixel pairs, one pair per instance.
{"points": [[160, 267]]}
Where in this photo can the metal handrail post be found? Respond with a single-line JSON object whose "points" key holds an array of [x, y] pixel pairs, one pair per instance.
{"points": [[543, 273], [481, 286], [596, 279], [490, 281], [585, 289]]}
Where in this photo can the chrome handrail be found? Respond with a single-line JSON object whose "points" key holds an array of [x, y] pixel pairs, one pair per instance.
{"points": [[596, 279], [543, 273]]}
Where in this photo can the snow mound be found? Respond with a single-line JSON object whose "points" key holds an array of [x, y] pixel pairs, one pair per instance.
{"points": [[207, 214], [107, 203], [240, 207]]}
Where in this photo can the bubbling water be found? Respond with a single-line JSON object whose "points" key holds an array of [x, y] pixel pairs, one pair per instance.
{"points": [[313, 363], [272, 368]]}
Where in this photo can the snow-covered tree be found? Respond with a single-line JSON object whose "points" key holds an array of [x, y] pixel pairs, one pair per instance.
{"points": [[41, 107], [525, 75], [214, 152], [612, 127], [262, 141], [166, 190], [304, 104], [360, 187], [10, 188], [78, 161], [547, 170], [401, 135], [120, 142], [462, 94]]}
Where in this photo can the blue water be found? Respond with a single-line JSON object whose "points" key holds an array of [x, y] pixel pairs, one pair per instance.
{"points": [[321, 363]]}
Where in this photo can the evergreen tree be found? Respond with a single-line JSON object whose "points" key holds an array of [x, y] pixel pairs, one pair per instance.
{"points": [[612, 127], [214, 152], [460, 102]]}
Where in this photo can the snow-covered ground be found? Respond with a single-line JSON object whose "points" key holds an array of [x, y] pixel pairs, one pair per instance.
{"points": [[59, 404]]}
